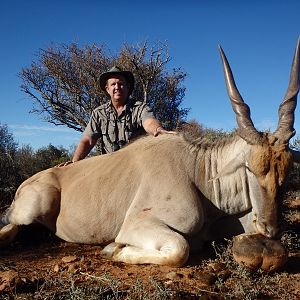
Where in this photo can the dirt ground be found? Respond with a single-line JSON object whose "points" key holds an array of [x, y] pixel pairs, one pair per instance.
{"points": [[40, 266]]}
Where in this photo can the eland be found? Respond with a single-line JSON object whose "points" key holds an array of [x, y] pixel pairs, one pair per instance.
{"points": [[159, 198]]}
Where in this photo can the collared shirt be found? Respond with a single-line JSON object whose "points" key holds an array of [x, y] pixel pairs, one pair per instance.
{"points": [[112, 130]]}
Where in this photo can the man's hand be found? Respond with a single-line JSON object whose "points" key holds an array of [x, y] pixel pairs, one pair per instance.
{"points": [[159, 130], [63, 164]]}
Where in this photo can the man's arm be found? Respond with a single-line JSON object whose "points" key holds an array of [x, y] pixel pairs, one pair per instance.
{"points": [[153, 126], [83, 148]]}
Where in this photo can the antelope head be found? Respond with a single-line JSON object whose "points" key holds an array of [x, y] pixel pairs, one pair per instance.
{"points": [[269, 159]]}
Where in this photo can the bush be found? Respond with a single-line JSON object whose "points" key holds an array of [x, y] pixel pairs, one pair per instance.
{"points": [[9, 177]]}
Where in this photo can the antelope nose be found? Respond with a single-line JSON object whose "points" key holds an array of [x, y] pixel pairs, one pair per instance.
{"points": [[271, 232]]}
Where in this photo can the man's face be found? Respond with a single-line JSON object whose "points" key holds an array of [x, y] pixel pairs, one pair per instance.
{"points": [[117, 88]]}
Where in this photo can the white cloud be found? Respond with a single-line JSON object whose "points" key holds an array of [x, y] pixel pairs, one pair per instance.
{"points": [[39, 136], [24, 128]]}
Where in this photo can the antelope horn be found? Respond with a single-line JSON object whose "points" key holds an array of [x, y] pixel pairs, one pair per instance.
{"points": [[246, 129], [285, 129]]}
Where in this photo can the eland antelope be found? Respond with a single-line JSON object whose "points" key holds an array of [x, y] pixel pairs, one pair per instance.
{"points": [[159, 198]]}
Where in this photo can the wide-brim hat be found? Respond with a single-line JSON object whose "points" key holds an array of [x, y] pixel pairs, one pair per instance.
{"points": [[117, 71]]}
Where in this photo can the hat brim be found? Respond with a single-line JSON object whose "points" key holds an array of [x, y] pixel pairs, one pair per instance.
{"points": [[126, 74]]}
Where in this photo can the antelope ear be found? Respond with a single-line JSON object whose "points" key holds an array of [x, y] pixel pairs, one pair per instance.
{"points": [[231, 167], [296, 156]]}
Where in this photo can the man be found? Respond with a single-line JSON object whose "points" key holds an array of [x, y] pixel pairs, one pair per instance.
{"points": [[118, 121]]}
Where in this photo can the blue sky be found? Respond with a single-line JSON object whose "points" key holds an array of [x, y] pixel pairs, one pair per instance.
{"points": [[258, 37]]}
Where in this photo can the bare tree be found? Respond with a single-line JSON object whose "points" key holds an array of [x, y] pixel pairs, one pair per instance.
{"points": [[64, 82]]}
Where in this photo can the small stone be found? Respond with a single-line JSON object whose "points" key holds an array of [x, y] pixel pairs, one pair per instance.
{"points": [[56, 268], [168, 282], [69, 259], [174, 275]]}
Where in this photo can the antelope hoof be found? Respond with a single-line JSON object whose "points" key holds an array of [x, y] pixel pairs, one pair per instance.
{"points": [[257, 251]]}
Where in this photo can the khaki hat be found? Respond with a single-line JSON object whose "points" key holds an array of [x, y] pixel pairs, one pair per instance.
{"points": [[117, 71]]}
